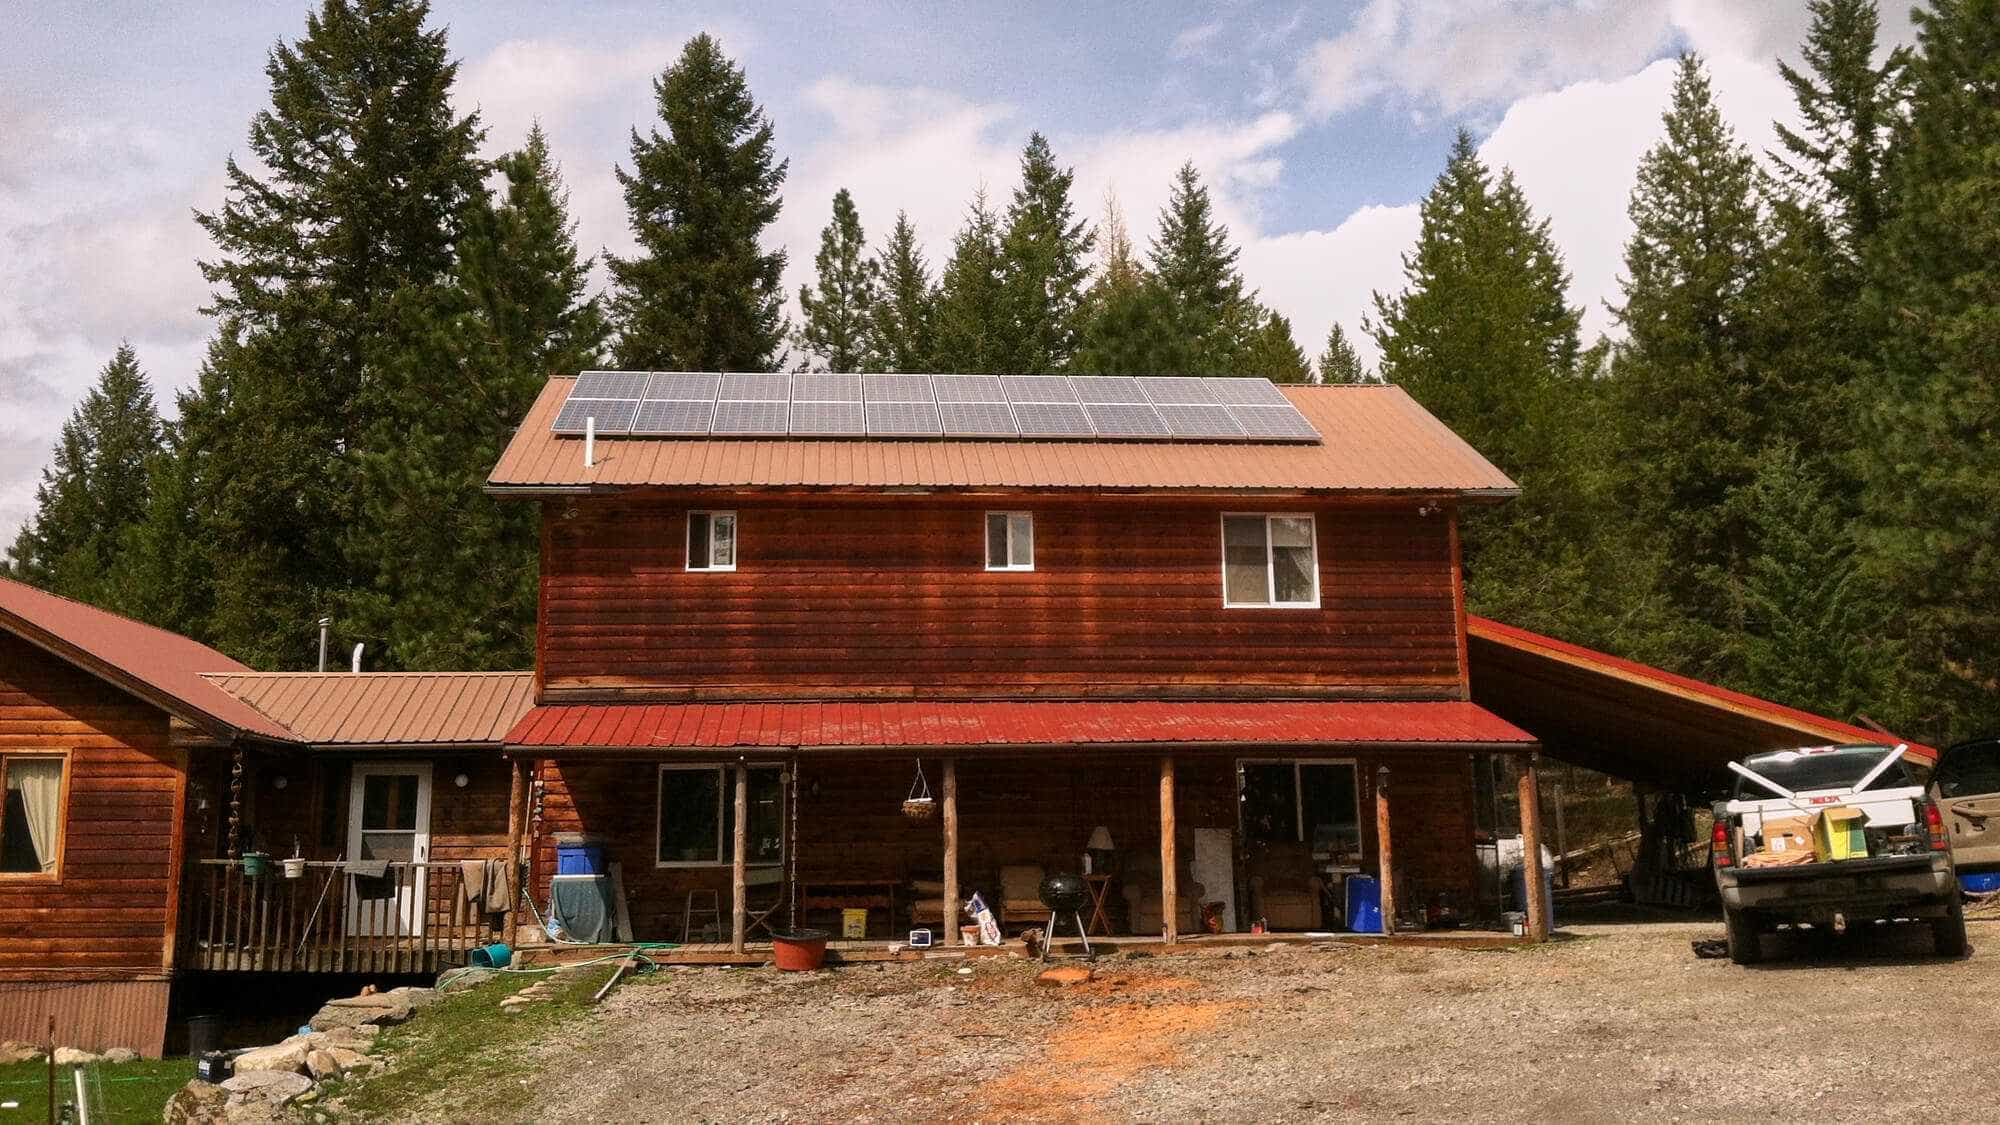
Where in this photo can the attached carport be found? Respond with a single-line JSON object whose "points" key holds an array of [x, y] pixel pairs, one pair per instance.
{"points": [[1635, 722]]}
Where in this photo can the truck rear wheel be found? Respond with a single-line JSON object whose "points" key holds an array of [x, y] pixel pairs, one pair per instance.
{"points": [[1948, 932], [1745, 943]]}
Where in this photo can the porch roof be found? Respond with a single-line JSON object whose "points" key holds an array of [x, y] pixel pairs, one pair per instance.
{"points": [[909, 725]]}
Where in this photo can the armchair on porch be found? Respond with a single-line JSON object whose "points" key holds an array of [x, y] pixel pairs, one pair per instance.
{"points": [[1021, 895], [1140, 884], [1285, 886]]}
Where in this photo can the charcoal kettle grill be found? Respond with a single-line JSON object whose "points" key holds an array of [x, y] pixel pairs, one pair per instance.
{"points": [[1064, 894]]}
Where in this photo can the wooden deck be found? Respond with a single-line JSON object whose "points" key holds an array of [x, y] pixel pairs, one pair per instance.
{"points": [[317, 923]]}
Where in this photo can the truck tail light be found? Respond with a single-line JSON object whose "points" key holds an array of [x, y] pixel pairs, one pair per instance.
{"points": [[1934, 826], [1725, 856]]}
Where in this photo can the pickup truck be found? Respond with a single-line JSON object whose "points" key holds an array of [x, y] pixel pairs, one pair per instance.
{"points": [[1830, 836]]}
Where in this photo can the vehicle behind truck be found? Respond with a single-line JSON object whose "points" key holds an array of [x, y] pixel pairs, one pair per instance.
{"points": [[1832, 836]]}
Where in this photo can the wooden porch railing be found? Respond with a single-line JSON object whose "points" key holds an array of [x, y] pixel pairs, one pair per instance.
{"points": [[318, 923]]}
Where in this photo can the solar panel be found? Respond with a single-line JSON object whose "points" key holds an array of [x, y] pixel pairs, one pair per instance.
{"points": [[828, 419], [897, 388], [610, 384], [826, 388], [1053, 419], [1124, 419], [1273, 422], [751, 417], [688, 385], [977, 419], [968, 388], [1190, 419], [756, 388], [614, 415], [1165, 389], [903, 419], [1037, 388], [1247, 392], [1107, 388], [673, 416]]}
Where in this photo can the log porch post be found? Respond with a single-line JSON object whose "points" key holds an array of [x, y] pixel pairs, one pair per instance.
{"points": [[1531, 851], [950, 907], [1170, 913], [739, 915], [1385, 853], [517, 824]]}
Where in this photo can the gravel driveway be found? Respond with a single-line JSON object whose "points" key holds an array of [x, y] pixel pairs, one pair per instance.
{"points": [[1618, 1022]]}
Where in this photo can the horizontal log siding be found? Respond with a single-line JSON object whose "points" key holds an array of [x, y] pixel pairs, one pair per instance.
{"points": [[106, 917], [893, 598]]}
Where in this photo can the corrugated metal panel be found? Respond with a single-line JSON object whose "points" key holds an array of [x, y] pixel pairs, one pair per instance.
{"points": [[1374, 439], [927, 724], [155, 660], [93, 1015], [388, 708]]}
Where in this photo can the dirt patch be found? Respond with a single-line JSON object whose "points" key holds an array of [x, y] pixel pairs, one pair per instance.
{"points": [[1099, 1052]]}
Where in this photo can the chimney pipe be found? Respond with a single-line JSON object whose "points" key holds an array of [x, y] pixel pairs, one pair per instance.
{"points": [[325, 623], [357, 657]]}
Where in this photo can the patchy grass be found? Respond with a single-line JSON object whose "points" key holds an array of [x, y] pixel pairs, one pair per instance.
{"points": [[470, 1038], [134, 1091]]}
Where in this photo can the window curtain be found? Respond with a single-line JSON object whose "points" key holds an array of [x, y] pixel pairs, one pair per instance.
{"points": [[39, 782]]}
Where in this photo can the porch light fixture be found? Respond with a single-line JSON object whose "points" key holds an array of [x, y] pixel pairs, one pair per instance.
{"points": [[280, 781], [461, 781]]}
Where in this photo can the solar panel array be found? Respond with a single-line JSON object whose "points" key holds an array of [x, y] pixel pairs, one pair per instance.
{"points": [[1104, 407]]}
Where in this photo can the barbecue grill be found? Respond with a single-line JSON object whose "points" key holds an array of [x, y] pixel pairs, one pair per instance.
{"points": [[1064, 894]]}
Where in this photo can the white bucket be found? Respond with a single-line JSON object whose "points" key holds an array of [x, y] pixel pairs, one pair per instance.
{"points": [[294, 868]]}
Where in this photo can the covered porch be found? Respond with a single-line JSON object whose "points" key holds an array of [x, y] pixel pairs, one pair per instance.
{"points": [[1189, 821]]}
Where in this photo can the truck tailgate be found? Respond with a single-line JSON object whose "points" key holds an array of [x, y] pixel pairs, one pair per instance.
{"points": [[1874, 865]]}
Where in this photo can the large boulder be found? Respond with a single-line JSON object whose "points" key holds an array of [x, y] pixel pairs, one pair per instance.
{"points": [[75, 1056], [121, 1055], [321, 1064], [196, 1103], [288, 1057], [379, 1009], [12, 1051], [270, 1087]]}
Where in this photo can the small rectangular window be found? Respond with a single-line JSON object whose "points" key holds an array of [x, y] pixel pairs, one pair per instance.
{"points": [[711, 541], [1010, 541], [697, 815], [1269, 561], [31, 815]]}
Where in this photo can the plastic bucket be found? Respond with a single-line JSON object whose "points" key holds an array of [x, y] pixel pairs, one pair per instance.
{"points": [[800, 951], [1984, 883], [495, 956], [256, 864], [294, 868], [1364, 904]]}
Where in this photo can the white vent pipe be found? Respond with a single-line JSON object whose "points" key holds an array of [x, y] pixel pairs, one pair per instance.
{"points": [[589, 442]]}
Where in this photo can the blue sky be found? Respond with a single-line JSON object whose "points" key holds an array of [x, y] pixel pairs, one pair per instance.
{"points": [[1317, 126]]}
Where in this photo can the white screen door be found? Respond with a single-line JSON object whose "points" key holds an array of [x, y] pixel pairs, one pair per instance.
{"points": [[388, 820]]}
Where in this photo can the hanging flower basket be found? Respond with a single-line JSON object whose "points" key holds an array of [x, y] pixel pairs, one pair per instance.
{"points": [[919, 805]]}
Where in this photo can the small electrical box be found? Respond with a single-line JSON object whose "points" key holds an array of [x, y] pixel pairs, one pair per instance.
{"points": [[920, 939], [215, 1067]]}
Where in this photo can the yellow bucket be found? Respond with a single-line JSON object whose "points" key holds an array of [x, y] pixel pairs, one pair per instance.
{"points": [[854, 922]]}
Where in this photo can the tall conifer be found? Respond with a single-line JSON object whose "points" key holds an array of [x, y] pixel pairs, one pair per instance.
{"points": [[1043, 251], [1340, 363], [836, 332], [902, 332], [970, 325], [702, 293]]}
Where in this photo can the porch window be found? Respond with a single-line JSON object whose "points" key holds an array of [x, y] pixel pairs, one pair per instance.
{"points": [[1269, 560], [711, 541], [1314, 802], [697, 815], [31, 817], [1010, 541]]}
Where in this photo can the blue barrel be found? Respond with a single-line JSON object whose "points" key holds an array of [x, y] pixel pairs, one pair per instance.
{"points": [[1364, 904]]}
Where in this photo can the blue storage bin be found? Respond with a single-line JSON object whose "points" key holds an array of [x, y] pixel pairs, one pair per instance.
{"points": [[1364, 904], [1984, 883], [580, 859]]}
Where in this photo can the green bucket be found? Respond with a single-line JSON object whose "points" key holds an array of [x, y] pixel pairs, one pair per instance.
{"points": [[495, 956], [256, 864]]}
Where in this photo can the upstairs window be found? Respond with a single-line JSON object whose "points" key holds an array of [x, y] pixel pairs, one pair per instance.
{"points": [[711, 541], [1269, 561], [31, 817], [1010, 541]]}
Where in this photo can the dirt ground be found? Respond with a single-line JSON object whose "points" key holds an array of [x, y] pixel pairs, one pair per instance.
{"points": [[1616, 1022]]}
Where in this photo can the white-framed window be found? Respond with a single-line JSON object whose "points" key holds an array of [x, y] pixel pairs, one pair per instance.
{"points": [[711, 541], [697, 815], [1314, 801], [1269, 560], [33, 806], [1010, 541]]}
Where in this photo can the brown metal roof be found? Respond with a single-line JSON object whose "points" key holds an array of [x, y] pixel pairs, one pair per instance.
{"points": [[388, 708], [1375, 439], [160, 667]]}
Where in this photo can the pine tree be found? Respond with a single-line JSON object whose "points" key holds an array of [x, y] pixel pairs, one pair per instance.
{"points": [[1847, 104], [836, 333], [95, 487], [1042, 270], [1125, 315], [1194, 265], [702, 294], [1270, 351], [456, 582], [970, 322], [901, 331], [1933, 483], [1339, 363], [1687, 382], [369, 179]]}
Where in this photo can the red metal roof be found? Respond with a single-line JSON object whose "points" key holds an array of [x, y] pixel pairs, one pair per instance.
{"points": [[161, 667], [388, 708], [1375, 439], [924, 724]]}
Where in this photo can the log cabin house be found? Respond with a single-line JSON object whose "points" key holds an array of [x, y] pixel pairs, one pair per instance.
{"points": [[1235, 674]]}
